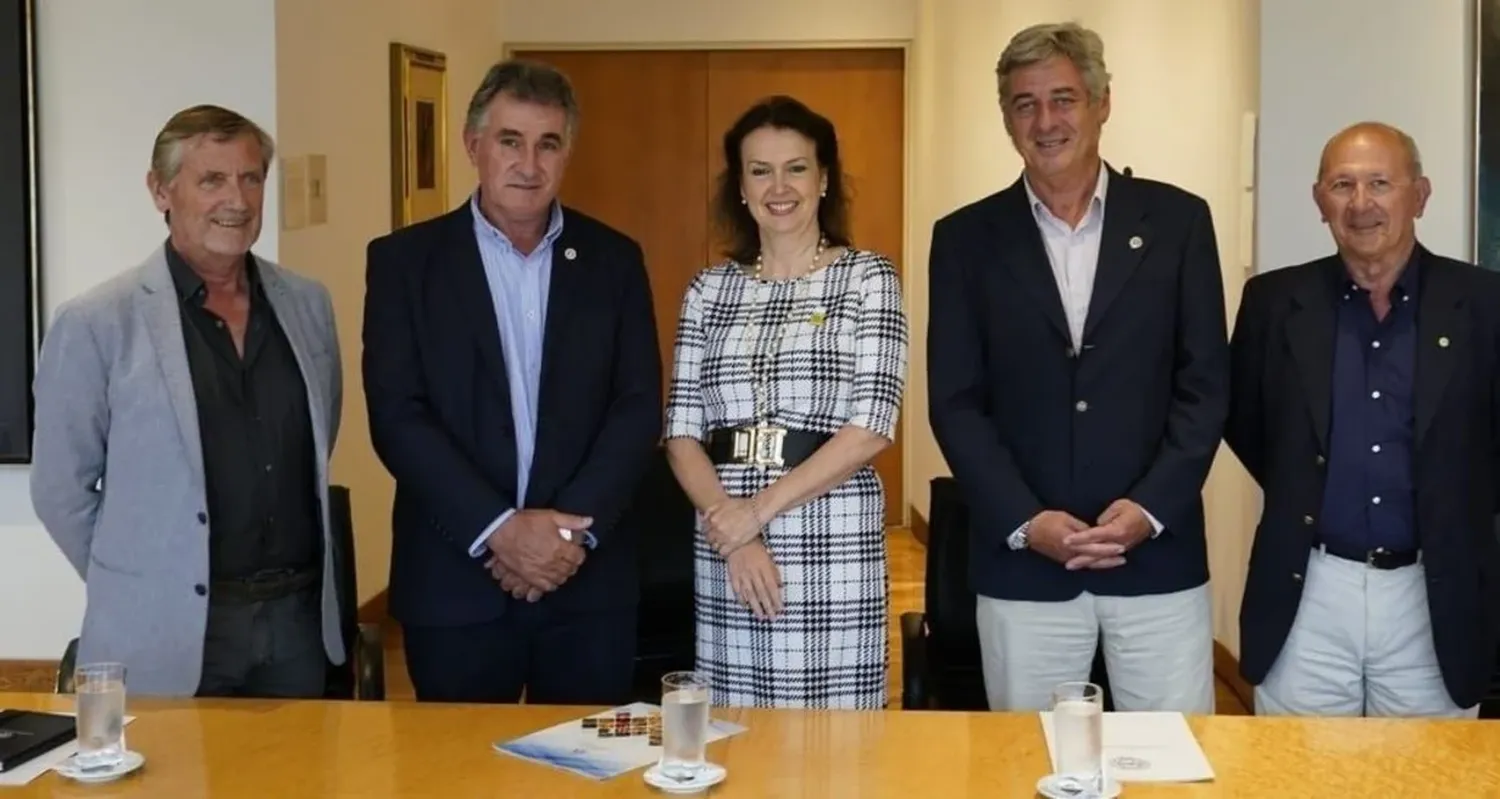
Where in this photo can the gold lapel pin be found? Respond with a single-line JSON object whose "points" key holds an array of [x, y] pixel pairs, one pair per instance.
{"points": [[1136, 242], [570, 253], [1442, 341]]}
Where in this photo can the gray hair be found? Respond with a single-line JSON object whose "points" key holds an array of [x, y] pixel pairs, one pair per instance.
{"points": [[219, 124], [1038, 43], [527, 81]]}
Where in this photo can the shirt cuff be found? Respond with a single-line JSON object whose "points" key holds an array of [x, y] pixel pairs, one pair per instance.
{"points": [[477, 548], [1156, 526]]}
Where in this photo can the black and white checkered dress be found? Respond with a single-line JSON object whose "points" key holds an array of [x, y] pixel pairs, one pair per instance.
{"points": [[833, 348]]}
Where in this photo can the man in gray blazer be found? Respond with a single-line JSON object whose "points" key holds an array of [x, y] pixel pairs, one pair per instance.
{"points": [[186, 411]]}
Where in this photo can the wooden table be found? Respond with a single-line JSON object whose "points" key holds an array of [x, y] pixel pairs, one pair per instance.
{"points": [[230, 749]]}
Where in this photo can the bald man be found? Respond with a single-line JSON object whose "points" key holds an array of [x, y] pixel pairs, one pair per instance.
{"points": [[1365, 403]]}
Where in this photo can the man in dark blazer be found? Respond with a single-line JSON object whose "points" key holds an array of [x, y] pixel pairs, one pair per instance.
{"points": [[514, 389], [1078, 374], [1366, 403]]}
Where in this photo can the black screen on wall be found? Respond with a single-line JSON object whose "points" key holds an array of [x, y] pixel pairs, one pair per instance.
{"points": [[19, 259]]}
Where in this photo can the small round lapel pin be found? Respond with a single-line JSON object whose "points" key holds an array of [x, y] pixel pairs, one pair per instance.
{"points": [[1136, 242], [819, 316], [1443, 341], [570, 253]]}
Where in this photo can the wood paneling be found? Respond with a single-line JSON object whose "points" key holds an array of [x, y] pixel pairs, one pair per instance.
{"points": [[635, 162], [649, 153]]}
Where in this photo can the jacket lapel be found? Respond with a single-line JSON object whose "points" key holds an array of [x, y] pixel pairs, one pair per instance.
{"points": [[1442, 334], [1310, 334], [474, 301], [159, 304], [570, 258], [1018, 237], [294, 324], [1125, 240]]}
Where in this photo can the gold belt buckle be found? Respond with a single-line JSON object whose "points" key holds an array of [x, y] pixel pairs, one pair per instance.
{"points": [[760, 445]]}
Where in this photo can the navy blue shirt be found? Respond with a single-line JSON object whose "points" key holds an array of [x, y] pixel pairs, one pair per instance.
{"points": [[1369, 499]]}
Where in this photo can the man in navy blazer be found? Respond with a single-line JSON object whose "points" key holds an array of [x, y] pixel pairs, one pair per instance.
{"points": [[514, 389], [1367, 405], [1078, 375]]}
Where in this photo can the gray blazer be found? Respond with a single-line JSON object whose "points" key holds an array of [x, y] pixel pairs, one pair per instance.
{"points": [[117, 476]]}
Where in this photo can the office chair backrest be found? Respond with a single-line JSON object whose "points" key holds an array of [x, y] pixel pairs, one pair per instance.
{"points": [[953, 636]]}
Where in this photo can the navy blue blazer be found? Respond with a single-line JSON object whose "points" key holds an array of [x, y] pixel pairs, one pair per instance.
{"points": [[1027, 424], [1278, 427], [440, 415]]}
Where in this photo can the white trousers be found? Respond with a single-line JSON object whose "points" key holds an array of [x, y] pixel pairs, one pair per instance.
{"points": [[1158, 650], [1361, 645]]}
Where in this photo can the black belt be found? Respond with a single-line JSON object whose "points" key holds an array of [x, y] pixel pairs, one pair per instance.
{"points": [[763, 445], [1377, 558], [263, 585]]}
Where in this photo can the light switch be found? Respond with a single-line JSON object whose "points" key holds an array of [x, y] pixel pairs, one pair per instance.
{"points": [[293, 192], [317, 189]]}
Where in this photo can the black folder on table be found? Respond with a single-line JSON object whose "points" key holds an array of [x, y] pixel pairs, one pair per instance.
{"points": [[25, 734]]}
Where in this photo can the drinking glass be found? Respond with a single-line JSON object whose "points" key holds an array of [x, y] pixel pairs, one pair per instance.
{"points": [[99, 689], [684, 724], [1078, 735]]}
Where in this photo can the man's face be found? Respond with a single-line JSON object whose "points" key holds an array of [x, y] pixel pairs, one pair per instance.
{"points": [[520, 151], [1369, 196], [1050, 119], [214, 201]]}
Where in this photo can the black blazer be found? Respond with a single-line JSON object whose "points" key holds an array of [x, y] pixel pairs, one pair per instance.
{"points": [[1278, 426], [440, 413], [1027, 424]]}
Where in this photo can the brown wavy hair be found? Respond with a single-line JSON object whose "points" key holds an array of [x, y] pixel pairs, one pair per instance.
{"points": [[732, 217]]}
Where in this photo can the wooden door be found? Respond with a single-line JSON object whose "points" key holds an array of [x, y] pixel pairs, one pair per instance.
{"points": [[648, 156]]}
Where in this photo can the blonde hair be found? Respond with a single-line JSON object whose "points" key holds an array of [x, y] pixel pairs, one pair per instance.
{"points": [[219, 124], [1040, 42]]}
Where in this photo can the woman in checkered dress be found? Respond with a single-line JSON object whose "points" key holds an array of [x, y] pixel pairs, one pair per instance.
{"points": [[802, 333]]}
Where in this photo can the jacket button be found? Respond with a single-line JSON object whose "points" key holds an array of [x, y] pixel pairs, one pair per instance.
{"points": [[1081, 406], [202, 517], [1321, 460], [200, 589], [1308, 520], [1296, 578]]}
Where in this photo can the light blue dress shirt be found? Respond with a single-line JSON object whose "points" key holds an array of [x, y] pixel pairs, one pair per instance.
{"points": [[519, 285]]}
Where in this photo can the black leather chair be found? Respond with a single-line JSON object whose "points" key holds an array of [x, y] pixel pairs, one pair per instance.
{"points": [[940, 647], [362, 676], [663, 518]]}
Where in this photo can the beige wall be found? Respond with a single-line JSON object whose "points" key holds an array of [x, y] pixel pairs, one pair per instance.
{"points": [[332, 91]]}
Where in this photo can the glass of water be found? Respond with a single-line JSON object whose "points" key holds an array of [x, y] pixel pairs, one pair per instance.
{"points": [[684, 724], [100, 693], [1078, 736]]}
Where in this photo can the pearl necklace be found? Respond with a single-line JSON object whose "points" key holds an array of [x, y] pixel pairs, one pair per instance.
{"points": [[760, 259]]}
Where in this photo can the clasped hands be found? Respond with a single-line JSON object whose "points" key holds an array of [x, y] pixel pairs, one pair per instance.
{"points": [[1073, 543], [528, 555], [731, 524]]}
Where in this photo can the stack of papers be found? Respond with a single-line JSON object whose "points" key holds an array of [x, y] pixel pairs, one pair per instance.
{"points": [[605, 745], [1145, 747]]}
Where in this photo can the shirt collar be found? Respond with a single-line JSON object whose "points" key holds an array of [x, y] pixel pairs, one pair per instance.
{"points": [[1408, 283], [190, 286], [1101, 188], [483, 228]]}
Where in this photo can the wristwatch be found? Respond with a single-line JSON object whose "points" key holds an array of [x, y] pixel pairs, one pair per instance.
{"points": [[1019, 539]]}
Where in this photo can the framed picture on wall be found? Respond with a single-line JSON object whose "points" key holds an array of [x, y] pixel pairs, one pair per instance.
{"points": [[20, 272], [1487, 134], [419, 134]]}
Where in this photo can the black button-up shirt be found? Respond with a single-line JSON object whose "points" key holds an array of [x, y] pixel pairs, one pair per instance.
{"points": [[1369, 497], [256, 432]]}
